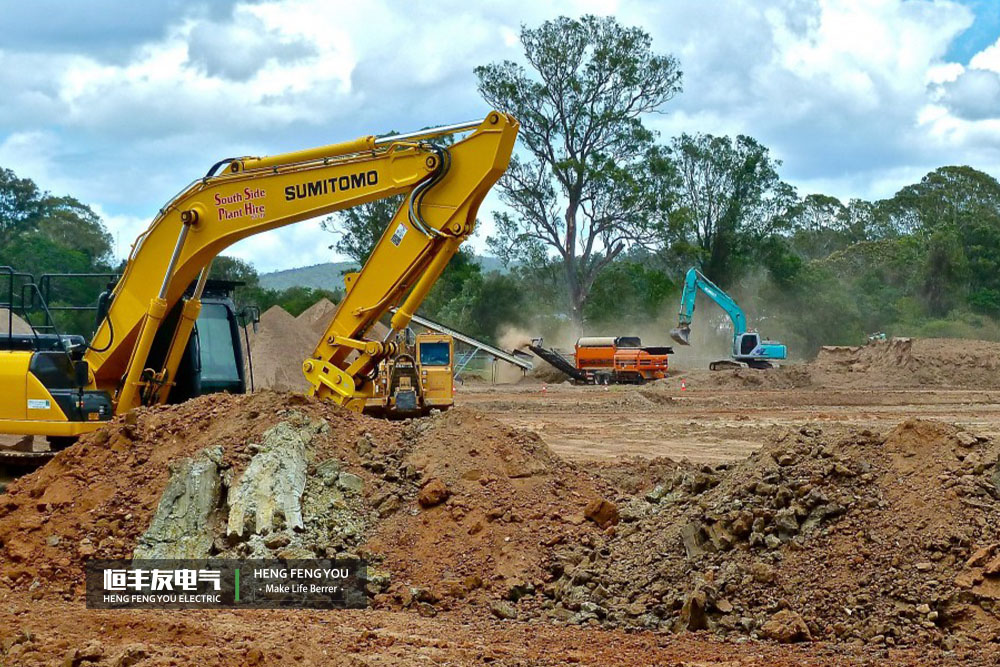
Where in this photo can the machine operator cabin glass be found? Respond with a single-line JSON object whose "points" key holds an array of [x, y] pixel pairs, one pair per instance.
{"points": [[218, 359], [435, 354]]}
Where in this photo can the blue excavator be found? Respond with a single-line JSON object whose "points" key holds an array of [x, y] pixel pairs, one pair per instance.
{"points": [[749, 349]]}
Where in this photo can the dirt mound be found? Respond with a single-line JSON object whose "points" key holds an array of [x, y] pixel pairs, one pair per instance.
{"points": [[783, 377], [893, 363], [283, 342], [11, 323], [911, 362], [452, 510], [509, 500], [833, 535], [317, 317], [278, 348]]}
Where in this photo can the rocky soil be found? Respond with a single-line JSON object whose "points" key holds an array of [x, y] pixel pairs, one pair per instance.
{"points": [[858, 542], [841, 535], [452, 509]]}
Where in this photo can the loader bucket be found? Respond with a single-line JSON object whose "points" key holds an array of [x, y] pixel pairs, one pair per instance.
{"points": [[681, 335]]}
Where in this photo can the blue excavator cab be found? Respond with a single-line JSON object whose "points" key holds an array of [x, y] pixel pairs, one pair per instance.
{"points": [[749, 347]]}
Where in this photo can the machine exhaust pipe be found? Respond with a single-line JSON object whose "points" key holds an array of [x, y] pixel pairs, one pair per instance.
{"points": [[681, 335]]}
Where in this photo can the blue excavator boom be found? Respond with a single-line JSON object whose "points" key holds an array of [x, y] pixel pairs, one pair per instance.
{"points": [[748, 346]]}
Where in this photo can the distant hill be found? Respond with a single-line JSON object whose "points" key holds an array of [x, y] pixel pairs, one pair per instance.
{"points": [[330, 275]]}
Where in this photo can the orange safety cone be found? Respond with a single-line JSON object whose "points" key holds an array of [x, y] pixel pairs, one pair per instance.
{"points": [[545, 388], [683, 384]]}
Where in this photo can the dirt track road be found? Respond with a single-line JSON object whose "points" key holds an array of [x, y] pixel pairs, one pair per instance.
{"points": [[58, 630], [709, 425]]}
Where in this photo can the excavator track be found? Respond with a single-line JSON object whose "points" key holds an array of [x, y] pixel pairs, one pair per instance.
{"points": [[14, 464]]}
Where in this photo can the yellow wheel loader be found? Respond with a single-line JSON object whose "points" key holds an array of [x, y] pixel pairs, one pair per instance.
{"points": [[62, 386], [416, 380]]}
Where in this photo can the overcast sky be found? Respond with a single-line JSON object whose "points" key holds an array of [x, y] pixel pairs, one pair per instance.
{"points": [[121, 104]]}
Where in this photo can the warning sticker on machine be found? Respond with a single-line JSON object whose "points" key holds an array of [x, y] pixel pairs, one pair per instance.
{"points": [[397, 236], [39, 404]]}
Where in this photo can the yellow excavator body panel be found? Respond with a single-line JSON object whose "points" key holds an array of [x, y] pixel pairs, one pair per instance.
{"points": [[27, 407], [13, 379], [437, 371]]}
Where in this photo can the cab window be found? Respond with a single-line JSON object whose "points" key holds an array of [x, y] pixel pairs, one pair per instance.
{"points": [[435, 354], [218, 358]]}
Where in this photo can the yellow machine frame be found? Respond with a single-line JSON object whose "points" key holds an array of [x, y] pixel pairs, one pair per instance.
{"points": [[435, 386]]}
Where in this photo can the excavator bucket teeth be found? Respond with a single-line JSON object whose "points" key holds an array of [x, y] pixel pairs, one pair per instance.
{"points": [[681, 335]]}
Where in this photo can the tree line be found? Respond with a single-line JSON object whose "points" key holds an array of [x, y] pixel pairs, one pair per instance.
{"points": [[602, 217]]}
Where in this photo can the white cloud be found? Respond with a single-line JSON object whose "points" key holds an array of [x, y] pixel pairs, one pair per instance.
{"points": [[974, 94], [988, 58], [856, 96]]}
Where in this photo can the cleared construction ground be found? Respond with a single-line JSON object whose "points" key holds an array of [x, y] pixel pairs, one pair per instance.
{"points": [[838, 512]]}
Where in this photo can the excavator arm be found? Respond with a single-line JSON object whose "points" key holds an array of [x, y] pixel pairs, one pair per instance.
{"points": [[444, 188], [694, 281]]}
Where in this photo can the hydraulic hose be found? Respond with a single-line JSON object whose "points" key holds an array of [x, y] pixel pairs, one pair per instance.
{"points": [[416, 198], [215, 167], [111, 338]]}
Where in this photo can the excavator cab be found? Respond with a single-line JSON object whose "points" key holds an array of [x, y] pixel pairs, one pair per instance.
{"points": [[213, 360], [42, 369], [57, 374], [745, 344], [756, 352]]}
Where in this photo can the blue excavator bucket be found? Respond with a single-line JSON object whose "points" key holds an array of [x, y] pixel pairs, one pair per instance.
{"points": [[681, 335]]}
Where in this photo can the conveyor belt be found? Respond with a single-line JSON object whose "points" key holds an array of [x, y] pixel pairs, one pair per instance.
{"points": [[559, 362], [510, 358]]}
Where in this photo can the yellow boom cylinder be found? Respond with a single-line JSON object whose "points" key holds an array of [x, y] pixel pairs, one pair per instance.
{"points": [[416, 297], [129, 397], [178, 345], [359, 145]]}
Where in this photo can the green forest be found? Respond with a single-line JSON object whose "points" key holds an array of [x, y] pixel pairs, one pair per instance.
{"points": [[602, 217]]}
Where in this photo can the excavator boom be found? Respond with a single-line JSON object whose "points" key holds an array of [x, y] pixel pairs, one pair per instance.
{"points": [[135, 353], [694, 280]]}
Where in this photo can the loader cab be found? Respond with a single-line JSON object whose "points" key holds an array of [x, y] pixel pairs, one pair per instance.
{"points": [[434, 353], [417, 379]]}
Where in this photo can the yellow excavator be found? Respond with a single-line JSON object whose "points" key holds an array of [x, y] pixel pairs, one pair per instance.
{"points": [[61, 387]]}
